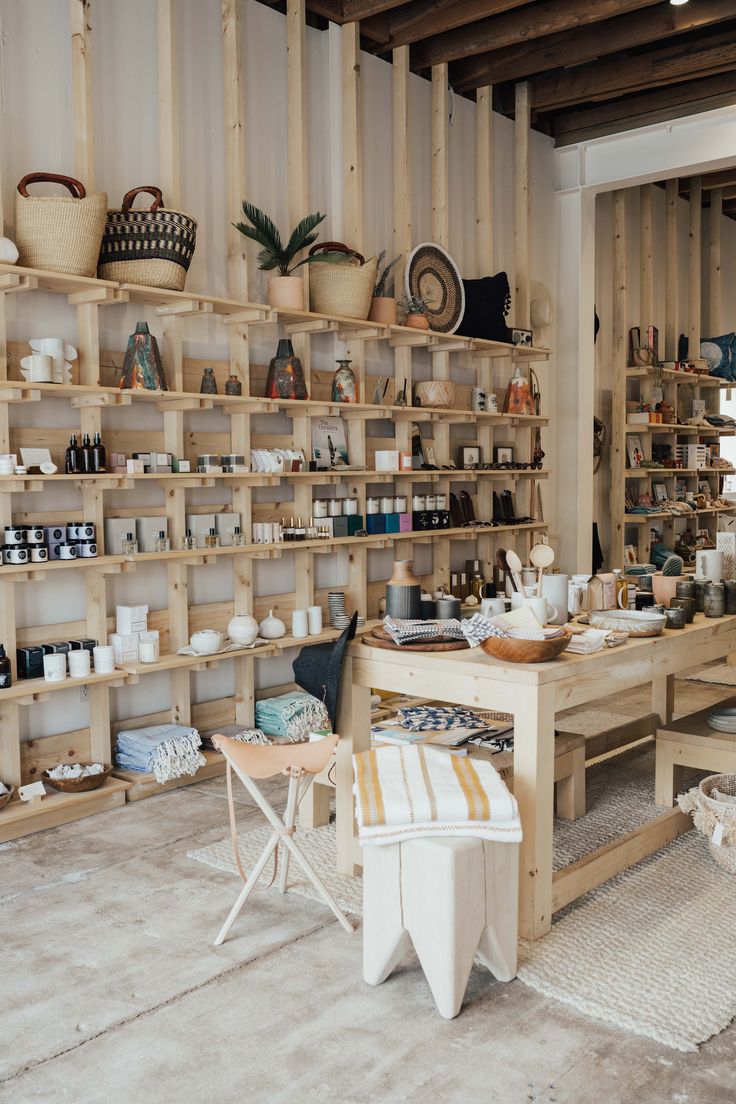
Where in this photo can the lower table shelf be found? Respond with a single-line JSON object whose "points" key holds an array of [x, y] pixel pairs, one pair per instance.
{"points": [[21, 818], [141, 784]]}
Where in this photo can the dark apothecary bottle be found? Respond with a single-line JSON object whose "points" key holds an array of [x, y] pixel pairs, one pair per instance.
{"points": [[87, 454], [6, 673], [99, 455], [72, 458]]}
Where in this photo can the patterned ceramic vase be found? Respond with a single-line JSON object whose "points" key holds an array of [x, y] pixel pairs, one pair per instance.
{"points": [[285, 374], [343, 383], [403, 592], [233, 386], [142, 367]]}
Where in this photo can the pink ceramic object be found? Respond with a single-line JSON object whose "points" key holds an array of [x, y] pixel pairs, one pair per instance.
{"points": [[664, 588]]}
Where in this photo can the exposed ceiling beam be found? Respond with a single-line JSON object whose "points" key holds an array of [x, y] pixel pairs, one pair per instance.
{"points": [[506, 30], [418, 19], [564, 49], [711, 180], [649, 107], [328, 9], [621, 76], [361, 9]]}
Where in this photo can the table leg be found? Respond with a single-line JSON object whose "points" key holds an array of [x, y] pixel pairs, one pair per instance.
{"points": [[534, 773], [354, 726], [663, 697]]}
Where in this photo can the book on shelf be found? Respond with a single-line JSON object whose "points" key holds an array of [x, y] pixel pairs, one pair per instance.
{"points": [[329, 442]]}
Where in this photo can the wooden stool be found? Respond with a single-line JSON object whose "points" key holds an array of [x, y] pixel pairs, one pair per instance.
{"points": [[569, 772], [690, 742], [452, 898]]}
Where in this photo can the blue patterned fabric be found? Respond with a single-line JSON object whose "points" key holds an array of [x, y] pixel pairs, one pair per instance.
{"points": [[719, 353]]}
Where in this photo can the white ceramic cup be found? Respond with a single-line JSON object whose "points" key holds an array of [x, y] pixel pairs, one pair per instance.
{"points": [[300, 624], [555, 590], [104, 658], [54, 667], [79, 663], [148, 647], [38, 368], [493, 607], [543, 610], [314, 617]]}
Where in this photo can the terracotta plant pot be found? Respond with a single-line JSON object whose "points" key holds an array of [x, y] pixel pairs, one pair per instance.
{"points": [[286, 293], [416, 322], [664, 588], [383, 310]]}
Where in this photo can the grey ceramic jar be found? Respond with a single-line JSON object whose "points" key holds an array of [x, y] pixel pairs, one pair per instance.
{"points": [[714, 600]]}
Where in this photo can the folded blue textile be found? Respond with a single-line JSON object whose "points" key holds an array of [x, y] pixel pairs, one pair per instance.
{"points": [[167, 750], [293, 715]]}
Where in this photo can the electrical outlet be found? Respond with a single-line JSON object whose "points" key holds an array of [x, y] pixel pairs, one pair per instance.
{"points": [[84, 693]]}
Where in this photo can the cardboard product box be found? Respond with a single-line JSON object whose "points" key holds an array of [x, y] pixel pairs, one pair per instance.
{"points": [[58, 647], [340, 526], [116, 530], [225, 524], [160, 463], [135, 467], [405, 523], [421, 520], [145, 459], [392, 523], [147, 531], [125, 647], [29, 662], [85, 644], [375, 523], [131, 619], [387, 460], [199, 525], [54, 534], [178, 464], [53, 547], [355, 522]]}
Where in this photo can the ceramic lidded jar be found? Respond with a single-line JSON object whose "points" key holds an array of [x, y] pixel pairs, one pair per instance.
{"points": [[403, 592], [243, 630], [285, 374], [344, 387]]}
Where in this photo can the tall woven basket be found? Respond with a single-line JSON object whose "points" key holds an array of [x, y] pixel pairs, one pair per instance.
{"points": [[715, 818], [344, 290], [153, 247], [59, 233]]}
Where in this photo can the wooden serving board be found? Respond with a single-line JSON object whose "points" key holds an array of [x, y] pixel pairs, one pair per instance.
{"points": [[379, 638]]}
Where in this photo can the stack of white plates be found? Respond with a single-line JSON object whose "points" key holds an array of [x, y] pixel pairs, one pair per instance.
{"points": [[723, 719], [336, 603]]}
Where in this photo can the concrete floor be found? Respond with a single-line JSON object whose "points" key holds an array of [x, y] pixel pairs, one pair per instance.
{"points": [[110, 989]]}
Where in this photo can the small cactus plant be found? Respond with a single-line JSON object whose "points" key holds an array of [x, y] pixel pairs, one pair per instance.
{"points": [[673, 565]]}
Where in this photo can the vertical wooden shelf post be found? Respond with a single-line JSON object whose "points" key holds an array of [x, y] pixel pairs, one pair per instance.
{"points": [[402, 220], [619, 356], [646, 259], [671, 271], [440, 133], [714, 262], [695, 266], [484, 181], [522, 122]]}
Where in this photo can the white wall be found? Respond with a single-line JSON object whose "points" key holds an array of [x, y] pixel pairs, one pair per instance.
{"points": [[37, 134]]}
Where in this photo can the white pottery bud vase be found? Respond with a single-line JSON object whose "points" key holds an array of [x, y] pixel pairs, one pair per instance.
{"points": [[242, 630], [271, 628], [8, 251]]}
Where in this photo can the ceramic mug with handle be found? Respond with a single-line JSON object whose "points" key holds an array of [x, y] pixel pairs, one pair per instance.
{"points": [[492, 607], [542, 608], [38, 368]]}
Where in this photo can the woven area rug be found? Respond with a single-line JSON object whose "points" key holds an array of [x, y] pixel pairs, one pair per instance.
{"points": [[721, 675], [630, 953]]}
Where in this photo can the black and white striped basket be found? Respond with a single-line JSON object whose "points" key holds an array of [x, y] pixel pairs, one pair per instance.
{"points": [[153, 247]]}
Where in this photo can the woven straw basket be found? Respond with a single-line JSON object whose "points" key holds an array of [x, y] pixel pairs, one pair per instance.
{"points": [[59, 233], [344, 290], [709, 813], [153, 247]]}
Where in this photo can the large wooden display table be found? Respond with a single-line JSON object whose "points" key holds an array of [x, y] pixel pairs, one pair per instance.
{"points": [[534, 694]]}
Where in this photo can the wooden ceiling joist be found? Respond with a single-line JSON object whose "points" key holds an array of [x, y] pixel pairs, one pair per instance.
{"points": [[418, 19], [599, 39], [501, 31], [622, 76], [353, 10]]}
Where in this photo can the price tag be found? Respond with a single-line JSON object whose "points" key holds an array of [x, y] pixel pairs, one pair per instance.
{"points": [[32, 792], [718, 835]]}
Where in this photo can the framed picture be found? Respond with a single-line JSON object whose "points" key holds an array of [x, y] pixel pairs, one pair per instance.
{"points": [[470, 456], [660, 492], [629, 555], [634, 451], [503, 454]]}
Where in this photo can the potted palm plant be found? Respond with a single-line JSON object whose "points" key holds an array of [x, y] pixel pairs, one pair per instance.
{"points": [[416, 308], [383, 304], [285, 291]]}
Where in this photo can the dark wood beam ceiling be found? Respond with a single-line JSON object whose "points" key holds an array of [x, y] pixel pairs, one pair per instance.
{"points": [[362, 9], [564, 49], [507, 30], [416, 20]]}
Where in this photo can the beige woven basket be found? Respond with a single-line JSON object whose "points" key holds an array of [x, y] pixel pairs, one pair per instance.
{"points": [[344, 290], [710, 815], [152, 247], [59, 233]]}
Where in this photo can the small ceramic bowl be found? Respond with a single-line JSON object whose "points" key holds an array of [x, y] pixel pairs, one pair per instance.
{"points": [[206, 641]]}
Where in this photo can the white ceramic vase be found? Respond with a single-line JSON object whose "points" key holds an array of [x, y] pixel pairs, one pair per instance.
{"points": [[271, 628], [242, 630]]}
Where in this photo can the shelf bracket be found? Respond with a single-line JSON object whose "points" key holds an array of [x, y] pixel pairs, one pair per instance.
{"points": [[12, 281]]}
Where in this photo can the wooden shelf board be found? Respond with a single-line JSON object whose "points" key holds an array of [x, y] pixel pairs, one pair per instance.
{"points": [[16, 573], [59, 281], [20, 818], [174, 661], [142, 784], [26, 691], [662, 427], [645, 473], [679, 377], [161, 297]]}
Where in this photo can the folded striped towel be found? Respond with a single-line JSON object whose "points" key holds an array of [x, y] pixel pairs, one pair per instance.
{"points": [[407, 792], [434, 718], [407, 632]]}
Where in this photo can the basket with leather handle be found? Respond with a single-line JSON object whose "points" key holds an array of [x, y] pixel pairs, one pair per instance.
{"points": [[344, 290], [59, 233], [153, 247]]}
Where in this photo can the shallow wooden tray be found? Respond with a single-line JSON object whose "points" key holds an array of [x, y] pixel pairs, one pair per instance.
{"points": [[78, 785], [379, 638]]}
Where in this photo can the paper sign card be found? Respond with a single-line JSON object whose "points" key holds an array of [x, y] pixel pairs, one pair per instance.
{"points": [[32, 791]]}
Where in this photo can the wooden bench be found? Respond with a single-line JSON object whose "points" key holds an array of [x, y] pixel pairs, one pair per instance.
{"points": [[691, 742], [569, 772], [604, 731]]}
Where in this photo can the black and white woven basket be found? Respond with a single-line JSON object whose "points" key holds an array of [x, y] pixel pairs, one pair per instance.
{"points": [[153, 247]]}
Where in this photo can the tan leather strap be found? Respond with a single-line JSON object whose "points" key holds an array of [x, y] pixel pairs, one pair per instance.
{"points": [[234, 832], [75, 186]]}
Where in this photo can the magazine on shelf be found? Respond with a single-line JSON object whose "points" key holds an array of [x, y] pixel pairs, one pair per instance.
{"points": [[329, 443]]}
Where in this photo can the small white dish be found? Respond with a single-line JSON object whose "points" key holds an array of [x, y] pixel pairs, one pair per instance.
{"points": [[206, 641]]}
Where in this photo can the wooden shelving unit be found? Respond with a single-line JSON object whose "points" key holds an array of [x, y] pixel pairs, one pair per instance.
{"points": [[638, 382], [181, 414]]}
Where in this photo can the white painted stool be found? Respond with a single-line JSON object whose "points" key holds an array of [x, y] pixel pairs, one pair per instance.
{"points": [[452, 897]]}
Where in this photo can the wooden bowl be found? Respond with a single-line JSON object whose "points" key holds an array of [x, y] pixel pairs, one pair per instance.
{"points": [[5, 798], [511, 650], [78, 785]]}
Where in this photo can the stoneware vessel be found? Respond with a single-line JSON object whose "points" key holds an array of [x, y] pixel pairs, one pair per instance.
{"points": [[440, 393], [664, 588], [403, 592], [416, 322], [233, 386], [208, 386], [344, 388], [383, 310], [271, 628], [142, 367], [242, 629], [285, 374], [206, 641]]}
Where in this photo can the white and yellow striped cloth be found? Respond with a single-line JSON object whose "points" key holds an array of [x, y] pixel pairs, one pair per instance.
{"points": [[402, 792]]}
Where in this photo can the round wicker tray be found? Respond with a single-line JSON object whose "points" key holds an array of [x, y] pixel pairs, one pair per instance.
{"points": [[5, 798], [78, 785], [525, 651]]}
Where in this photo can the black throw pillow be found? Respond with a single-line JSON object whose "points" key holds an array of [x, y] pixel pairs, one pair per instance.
{"points": [[487, 302]]}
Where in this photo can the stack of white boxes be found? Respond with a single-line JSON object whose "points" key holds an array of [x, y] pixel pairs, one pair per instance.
{"points": [[130, 622]]}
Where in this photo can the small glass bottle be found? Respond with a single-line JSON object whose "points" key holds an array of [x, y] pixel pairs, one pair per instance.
{"points": [[130, 545], [72, 457], [99, 455], [6, 671], [289, 531], [212, 540], [238, 537], [188, 543], [622, 589], [162, 542], [312, 531], [300, 532], [87, 460]]}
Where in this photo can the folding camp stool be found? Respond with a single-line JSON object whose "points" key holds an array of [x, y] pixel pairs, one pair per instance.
{"points": [[301, 762]]}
